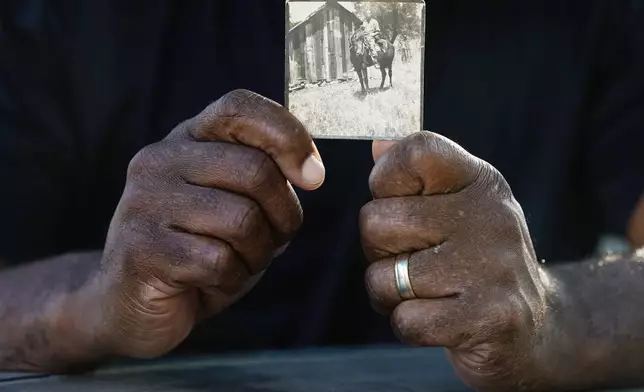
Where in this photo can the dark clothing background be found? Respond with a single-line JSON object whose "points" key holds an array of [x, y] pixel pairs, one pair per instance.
{"points": [[551, 92]]}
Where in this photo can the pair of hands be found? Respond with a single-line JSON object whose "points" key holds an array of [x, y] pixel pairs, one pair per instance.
{"points": [[206, 210]]}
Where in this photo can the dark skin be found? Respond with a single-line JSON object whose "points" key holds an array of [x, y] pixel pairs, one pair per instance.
{"points": [[205, 210], [507, 322], [203, 213]]}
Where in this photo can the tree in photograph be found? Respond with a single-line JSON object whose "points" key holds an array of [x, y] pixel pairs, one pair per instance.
{"points": [[395, 18]]}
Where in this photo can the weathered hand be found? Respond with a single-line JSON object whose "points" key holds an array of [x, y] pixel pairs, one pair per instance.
{"points": [[472, 264], [203, 213]]}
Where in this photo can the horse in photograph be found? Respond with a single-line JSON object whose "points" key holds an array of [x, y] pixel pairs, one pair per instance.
{"points": [[361, 60]]}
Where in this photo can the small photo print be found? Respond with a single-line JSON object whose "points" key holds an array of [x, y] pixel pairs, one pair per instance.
{"points": [[354, 69]]}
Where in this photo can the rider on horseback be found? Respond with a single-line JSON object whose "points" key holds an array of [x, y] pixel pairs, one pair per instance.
{"points": [[372, 31]]}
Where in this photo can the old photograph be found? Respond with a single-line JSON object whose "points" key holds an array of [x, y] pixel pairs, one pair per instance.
{"points": [[354, 69]]}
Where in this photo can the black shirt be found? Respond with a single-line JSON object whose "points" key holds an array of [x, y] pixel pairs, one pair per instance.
{"points": [[551, 92]]}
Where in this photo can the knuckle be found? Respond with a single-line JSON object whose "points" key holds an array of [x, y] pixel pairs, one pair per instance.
{"points": [[500, 312], [138, 164], [417, 138], [178, 255], [295, 218], [202, 264], [133, 247], [148, 162], [132, 223], [370, 219], [131, 206], [240, 93], [234, 103], [216, 262], [510, 213], [418, 147], [399, 320], [505, 317], [246, 218], [142, 162], [376, 288], [402, 324], [141, 206], [371, 282], [421, 145], [525, 312], [262, 171], [222, 117], [488, 183], [455, 168], [284, 217], [289, 133], [491, 175]]}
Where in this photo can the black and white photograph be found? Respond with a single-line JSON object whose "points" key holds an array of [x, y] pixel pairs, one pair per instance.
{"points": [[354, 69]]}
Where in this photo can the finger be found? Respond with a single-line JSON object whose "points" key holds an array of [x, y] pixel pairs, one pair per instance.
{"points": [[463, 321], [443, 322], [379, 147], [239, 169], [423, 164], [198, 261], [214, 300], [244, 117], [225, 216], [389, 227], [434, 273]]}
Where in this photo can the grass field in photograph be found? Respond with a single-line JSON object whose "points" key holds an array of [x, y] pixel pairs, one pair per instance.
{"points": [[341, 110]]}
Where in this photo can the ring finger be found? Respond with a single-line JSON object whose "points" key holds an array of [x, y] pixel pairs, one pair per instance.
{"points": [[432, 273]]}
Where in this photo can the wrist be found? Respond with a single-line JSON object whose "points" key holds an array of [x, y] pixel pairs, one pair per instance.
{"points": [[554, 342], [567, 352], [79, 322], [76, 317], [50, 317]]}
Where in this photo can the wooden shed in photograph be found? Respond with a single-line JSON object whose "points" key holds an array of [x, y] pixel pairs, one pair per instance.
{"points": [[318, 46]]}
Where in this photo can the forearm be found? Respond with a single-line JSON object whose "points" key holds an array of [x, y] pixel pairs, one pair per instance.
{"points": [[48, 315], [595, 335]]}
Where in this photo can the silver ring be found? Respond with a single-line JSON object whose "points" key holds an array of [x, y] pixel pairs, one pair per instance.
{"points": [[403, 283]]}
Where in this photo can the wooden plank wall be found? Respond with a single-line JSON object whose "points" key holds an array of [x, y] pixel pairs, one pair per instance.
{"points": [[330, 53], [327, 44], [292, 65], [310, 51], [347, 27], [348, 31], [338, 56], [319, 50], [320, 60], [345, 47], [301, 60]]}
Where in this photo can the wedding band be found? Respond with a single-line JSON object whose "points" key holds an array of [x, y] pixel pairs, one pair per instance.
{"points": [[403, 283]]}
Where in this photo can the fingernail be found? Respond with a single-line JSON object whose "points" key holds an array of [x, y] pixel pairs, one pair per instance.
{"points": [[313, 171]]}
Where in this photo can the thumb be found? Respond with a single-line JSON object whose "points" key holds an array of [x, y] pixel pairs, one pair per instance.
{"points": [[244, 117], [379, 147]]}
